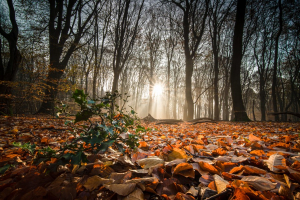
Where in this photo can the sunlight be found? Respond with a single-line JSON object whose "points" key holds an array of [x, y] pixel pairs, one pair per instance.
{"points": [[158, 90]]}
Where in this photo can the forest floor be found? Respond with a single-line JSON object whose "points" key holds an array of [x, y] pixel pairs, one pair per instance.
{"points": [[223, 160]]}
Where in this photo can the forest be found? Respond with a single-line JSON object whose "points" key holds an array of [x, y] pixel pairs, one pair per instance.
{"points": [[173, 58], [149, 99]]}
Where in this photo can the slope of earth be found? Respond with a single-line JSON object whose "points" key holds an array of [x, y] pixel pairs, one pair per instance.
{"points": [[224, 160]]}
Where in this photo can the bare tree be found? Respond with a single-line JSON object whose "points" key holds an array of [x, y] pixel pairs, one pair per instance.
{"points": [[8, 73], [65, 18], [124, 32], [274, 83], [235, 80], [219, 11], [194, 17]]}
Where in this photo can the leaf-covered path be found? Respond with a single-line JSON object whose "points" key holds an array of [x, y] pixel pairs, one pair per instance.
{"points": [[226, 160]]}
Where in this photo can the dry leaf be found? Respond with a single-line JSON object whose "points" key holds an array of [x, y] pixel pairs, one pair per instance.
{"points": [[95, 181], [185, 170], [176, 154], [275, 160], [208, 167], [137, 194], [259, 183], [146, 163], [121, 189], [220, 183]]}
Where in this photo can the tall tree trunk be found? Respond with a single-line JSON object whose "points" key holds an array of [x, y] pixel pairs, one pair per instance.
{"points": [[189, 112], [274, 84], [235, 79], [216, 84], [15, 58]]}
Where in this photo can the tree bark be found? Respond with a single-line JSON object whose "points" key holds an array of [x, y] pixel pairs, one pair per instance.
{"points": [[274, 84], [235, 79], [59, 32], [15, 58]]}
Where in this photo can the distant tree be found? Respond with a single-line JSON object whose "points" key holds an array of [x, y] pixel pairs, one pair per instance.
{"points": [[235, 80], [68, 23], [124, 31], [219, 11], [274, 82], [194, 17], [8, 72]]}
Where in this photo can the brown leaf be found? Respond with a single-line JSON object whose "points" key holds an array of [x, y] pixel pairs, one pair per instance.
{"points": [[220, 183], [146, 163], [275, 160], [253, 138], [259, 183], [176, 154], [239, 194], [185, 170], [63, 187], [137, 194], [253, 170], [181, 196], [94, 182], [121, 189], [207, 167], [38, 193]]}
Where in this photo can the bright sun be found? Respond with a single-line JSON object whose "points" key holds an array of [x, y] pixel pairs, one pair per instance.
{"points": [[157, 90]]}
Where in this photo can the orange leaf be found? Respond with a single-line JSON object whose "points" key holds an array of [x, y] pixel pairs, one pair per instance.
{"points": [[185, 170], [253, 138], [208, 167], [239, 194]]}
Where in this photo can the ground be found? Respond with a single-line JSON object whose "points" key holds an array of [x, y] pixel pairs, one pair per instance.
{"points": [[225, 160]]}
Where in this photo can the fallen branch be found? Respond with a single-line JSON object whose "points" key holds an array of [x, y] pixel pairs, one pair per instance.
{"points": [[196, 156], [166, 122], [199, 122], [199, 119], [287, 112]]}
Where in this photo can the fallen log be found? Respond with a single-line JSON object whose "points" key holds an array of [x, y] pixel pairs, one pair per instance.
{"points": [[199, 119], [203, 121], [287, 112]]}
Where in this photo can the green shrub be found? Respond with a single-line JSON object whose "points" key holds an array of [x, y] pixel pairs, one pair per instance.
{"points": [[90, 135]]}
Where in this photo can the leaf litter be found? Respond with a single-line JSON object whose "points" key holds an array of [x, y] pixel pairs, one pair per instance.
{"points": [[253, 160]]}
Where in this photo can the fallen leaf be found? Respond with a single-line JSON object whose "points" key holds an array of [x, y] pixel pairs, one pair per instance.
{"points": [[259, 183], [94, 182], [146, 163], [121, 189], [253, 138], [275, 160], [176, 153], [208, 167], [137, 194], [185, 170], [220, 183], [239, 194]]}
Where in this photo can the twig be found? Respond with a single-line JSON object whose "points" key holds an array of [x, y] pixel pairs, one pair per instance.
{"points": [[208, 157]]}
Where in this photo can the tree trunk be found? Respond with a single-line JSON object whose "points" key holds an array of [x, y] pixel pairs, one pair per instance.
{"points": [[275, 63], [12, 67], [216, 86], [253, 110], [115, 80], [235, 79], [188, 90]]}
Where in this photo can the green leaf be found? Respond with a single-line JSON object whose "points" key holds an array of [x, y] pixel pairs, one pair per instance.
{"points": [[76, 159], [104, 146], [96, 140], [83, 115], [4, 169], [120, 147], [79, 97]]}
